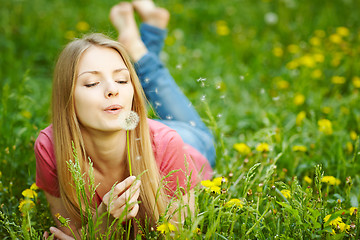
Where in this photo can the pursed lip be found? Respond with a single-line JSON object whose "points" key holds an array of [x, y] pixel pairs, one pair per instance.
{"points": [[113, 108]]}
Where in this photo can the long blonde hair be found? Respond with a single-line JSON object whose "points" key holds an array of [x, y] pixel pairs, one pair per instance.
{"points": [[67, 130]]}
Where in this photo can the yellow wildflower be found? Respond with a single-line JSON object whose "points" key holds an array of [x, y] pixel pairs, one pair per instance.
{"points": [[278, 52], [299, 99], [29, 193], [26, 114], [326, 110], [335, 38], [282, 84], [300, 117], [315, 41], [70, 35], [349, 147], [334, 222], [166, 228], [234, 203], [343, 31], [338, 80], [308, 180], [34, 187], [345, 110], [318, 57], [299, 148], [222, 28], [197, 231], [26, 205], [214, 185], [353, 210], [262, 147], [336, 60], [307, 61], [331, 180], [82, 26], [325, 126], [286, 193], [343, 227], [317, 73], [292, 48], [292, 65], [242, 148], [353, 135], [356, 81]]}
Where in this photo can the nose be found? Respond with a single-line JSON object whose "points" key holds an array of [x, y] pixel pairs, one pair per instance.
{"points": [[111, 90]]}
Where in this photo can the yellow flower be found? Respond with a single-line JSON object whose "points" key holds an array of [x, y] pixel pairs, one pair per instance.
{"points": [[338, 80], [281, 84], [292, 48], [29, 193], [300, 117], [308, 180], [353, 210], [353, 135], [345, 110], [326, 110], [262, 147], [26, 205], [356, 81], [242, 148], [325, 126], [318, 57], [349, 147], [292, 65], [234, 203], [330, 180], [214, 185], [336, 60], [299, 99], [278, 52], [26, 114], [222, 28], [299, 148], [166, 228], [343, 31], [343, 227], [82, 26], [307, 61], [286, 193], [34, 187], [317, 73], [70, 35], [315, 41], [334, 222], [335, 38]]}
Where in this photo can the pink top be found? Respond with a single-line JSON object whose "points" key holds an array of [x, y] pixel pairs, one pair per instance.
{"points": [[169, 151]]}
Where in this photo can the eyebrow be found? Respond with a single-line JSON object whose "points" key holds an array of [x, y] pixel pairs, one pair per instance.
{"points": [[97, 72]]}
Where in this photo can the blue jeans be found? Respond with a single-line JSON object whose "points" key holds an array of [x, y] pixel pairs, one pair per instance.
{"points": [[171, 105]]}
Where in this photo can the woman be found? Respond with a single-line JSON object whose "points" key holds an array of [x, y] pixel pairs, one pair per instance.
{"points": [[94, 83]]}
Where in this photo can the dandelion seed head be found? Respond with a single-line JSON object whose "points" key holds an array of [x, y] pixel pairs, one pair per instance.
{"points": [[271, 18], [128, 120], [192, 123]]}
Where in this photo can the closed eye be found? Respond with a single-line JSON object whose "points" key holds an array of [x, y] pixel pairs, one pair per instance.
{"points": [[91, 84], [122, 81]]}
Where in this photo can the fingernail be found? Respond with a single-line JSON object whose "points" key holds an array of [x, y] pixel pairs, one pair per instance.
{"points": [[133, 178], [52, 229]]}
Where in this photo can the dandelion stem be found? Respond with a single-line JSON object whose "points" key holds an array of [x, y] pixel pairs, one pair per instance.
{"points": [[129, 157]]}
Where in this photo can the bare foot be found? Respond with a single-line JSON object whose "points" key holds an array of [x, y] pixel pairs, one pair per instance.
{"points": [[122, 17], [150, 14]]}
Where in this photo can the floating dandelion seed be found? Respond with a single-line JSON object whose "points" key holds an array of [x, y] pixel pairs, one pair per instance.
{"points": [[222, 96], [201, 80], [219, 115], [169, 117], [146, 80], [271, 18], [242, 78], [179, 66], [128, 120], [192, 123], [203, 98]]}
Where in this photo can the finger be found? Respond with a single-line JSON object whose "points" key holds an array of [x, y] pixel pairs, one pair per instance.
{"points": [[127, 196], [133, 212], [118, 189], [59, 234], [119, 212], [45, 235]]}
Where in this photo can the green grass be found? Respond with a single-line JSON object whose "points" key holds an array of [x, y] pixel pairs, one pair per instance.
{"points": [[245, 96]]}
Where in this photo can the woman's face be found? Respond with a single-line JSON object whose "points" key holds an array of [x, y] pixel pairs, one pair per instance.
{"points": [[103, 89]]}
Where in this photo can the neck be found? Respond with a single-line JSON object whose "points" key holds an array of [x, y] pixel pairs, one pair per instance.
{"points": [[106, 150]]}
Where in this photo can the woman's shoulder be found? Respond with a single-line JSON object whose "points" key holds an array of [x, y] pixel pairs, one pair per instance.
{"points": [[45, 138], [163, 135]]}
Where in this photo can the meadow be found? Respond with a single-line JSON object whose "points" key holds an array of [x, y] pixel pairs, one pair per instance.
{"points": [[276, 80]]}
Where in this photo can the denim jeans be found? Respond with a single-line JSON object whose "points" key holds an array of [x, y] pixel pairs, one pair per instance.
{"points": [[171, 105]]}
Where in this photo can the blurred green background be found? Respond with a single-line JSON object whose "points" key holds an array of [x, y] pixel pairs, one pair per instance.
{"points": [[248, 59]]}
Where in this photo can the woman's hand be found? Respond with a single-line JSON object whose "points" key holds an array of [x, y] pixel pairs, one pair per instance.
{"points": [[123, 197], [58, 234]]}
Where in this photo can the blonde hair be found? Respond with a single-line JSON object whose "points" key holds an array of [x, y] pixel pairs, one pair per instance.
{"points": [[67, 130]]}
